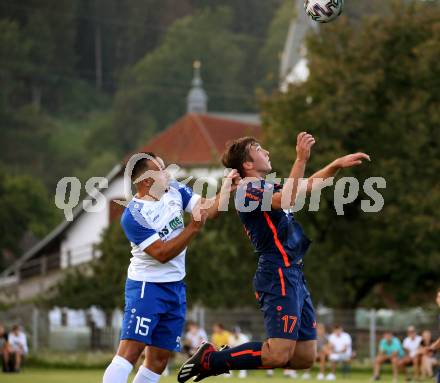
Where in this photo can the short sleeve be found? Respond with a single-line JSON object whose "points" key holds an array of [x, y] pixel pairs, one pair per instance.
{"points": [[137, 230], [189, 199]]}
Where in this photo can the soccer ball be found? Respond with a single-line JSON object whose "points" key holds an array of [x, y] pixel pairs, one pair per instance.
{"points": [[323, 11]]}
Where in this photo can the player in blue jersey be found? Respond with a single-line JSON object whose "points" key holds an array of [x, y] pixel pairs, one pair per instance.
{"points": [[155, 300], [279, 283]]}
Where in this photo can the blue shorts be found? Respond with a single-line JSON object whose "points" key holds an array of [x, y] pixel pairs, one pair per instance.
{"points": [[285, 302], [154, 313]]}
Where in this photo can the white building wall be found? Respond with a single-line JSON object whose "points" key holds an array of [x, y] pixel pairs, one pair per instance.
{"points": [[87, 229]]}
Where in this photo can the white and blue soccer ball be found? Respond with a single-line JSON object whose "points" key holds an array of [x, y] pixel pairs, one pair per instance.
{"points": [[323, 11]]}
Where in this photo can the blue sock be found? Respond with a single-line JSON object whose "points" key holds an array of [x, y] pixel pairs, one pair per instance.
{"points": [[244, 357]]}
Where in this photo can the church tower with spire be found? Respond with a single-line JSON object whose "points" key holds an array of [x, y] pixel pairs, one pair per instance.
{"points": [[197, 100]]}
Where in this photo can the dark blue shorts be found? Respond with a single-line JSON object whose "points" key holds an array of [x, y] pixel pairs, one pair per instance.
{"points": [[286, 303], [154, 313]]}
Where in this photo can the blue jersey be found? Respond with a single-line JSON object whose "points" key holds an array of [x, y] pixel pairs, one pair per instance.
{"points": [[277, 237]]}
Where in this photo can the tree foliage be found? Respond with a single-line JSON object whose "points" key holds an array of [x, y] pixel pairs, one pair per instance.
{"points": [[154, 90], [26, 208], [372, 89], [102, 282]]}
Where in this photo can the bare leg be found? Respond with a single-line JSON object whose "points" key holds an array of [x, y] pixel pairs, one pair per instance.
{"points": [[130, 350], [277, 352], [5, 353], [17, 361], [395, 363], [304, 355], [416, 362], [380, 359], [322, 359], [156, 359]]}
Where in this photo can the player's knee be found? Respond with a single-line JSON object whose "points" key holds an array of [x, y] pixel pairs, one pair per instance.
{"points": [[159, 362], [309, 360]]}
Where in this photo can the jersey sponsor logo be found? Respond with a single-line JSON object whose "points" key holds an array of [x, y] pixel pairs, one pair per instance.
{"points": [[175, 223]]}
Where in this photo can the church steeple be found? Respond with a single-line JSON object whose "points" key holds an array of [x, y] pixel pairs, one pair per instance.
{"points": [[197, 100]]}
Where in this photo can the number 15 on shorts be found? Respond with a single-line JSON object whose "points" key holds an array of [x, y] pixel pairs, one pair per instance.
{"points": [[142, 327]]}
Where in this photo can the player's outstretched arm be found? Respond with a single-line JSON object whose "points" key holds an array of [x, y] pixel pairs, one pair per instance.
{"points": [[287, 197], [166, 251], [229, 185], [333, 168]]}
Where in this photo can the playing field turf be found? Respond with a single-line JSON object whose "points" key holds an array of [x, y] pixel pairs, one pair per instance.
{"points": [[95, 376]]}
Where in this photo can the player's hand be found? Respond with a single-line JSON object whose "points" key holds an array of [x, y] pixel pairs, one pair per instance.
{"points": [[231, 182], [304, 143], [199, 217], [351, 160]]}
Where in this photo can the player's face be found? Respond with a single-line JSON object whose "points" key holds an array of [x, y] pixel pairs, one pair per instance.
{"points": [[260, 159], [159, 176]]}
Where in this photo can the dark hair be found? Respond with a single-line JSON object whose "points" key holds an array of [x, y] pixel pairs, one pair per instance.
{"points": [[237, 152], [141, 166], [219, 325]]}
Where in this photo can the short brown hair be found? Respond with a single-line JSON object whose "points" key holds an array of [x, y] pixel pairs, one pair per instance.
{"points": [[237, 152]]}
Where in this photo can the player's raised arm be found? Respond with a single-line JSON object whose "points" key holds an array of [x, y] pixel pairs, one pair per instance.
{"points": [[229, 185], [287, 197], [166, 251], [333, 168]]}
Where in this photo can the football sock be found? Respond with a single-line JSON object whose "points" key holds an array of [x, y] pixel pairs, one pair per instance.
{"points": [[144, 375], [117, 371], [244, 357]]}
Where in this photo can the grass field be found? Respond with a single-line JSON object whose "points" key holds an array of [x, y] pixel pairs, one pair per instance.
{"points": [[95, 376]]}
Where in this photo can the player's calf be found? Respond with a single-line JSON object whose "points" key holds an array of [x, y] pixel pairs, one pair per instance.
{"points": [[276, 355]]}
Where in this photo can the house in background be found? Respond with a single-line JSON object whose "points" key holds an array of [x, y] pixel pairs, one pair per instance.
{"points": [[194, 143]]}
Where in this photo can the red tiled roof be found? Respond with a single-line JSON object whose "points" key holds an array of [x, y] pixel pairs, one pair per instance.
{"points": [[198, 139]]}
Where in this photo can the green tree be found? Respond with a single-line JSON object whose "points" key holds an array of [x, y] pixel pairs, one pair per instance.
{"points": [[101, 283], [153, 91], [218, 261], [375, 89], [270, 53], [26, 209]]}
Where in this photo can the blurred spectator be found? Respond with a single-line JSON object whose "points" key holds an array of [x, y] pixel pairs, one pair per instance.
{"points": [[18, 345], [390, 351], [4, 348], [436, 345], [194, 337], [237, 338], [220, 336], [323, 351], [411, 345], [339, 349], [426, 358]]}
